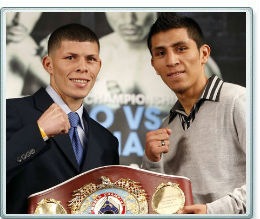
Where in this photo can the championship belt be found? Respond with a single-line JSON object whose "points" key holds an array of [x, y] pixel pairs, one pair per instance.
{"points": [[115, 190]]}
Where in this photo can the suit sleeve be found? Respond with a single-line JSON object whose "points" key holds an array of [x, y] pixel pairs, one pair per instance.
{"points": [[235, 201], [23, 141]]}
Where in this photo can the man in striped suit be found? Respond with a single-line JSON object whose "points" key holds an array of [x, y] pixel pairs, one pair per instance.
{"points": [[204, 137]]}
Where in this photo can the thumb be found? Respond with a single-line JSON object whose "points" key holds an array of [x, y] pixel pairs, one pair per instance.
{"points": [[169, 131], [188, 209]]}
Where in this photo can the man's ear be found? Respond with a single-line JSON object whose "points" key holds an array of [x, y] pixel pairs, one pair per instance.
{"points": [[47, 64], [205, 53]]}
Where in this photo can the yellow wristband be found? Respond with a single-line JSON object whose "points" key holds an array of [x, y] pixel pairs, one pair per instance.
{"points": [[44, 136]]}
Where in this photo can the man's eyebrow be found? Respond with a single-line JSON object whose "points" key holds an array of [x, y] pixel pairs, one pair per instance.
{"points": [[71, 53], [173, 45], [158, 48], [178, 43]]}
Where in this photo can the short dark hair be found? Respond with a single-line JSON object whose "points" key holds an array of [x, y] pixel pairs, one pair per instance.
{"points": [[170, 20], [73, 32]]}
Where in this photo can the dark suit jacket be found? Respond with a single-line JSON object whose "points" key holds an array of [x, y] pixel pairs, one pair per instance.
{"points": [[33, 165]]}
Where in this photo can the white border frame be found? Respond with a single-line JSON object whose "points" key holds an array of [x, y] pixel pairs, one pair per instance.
{"points": [[250, 84]]}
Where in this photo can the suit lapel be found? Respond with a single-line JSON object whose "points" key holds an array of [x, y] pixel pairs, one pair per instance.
{"points": [[42, 100], [64, 143], [42, 103]]}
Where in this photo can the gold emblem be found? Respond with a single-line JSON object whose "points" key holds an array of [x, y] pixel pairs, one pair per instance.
{"points": [[168, 198], [49, 206], [124, 196]]}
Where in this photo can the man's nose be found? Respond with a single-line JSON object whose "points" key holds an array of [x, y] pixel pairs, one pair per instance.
{"points": [[172, 59], [130, 17], [82, 66]]}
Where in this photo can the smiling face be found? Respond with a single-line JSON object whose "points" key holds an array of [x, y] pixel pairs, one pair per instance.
{"points": [[179, 62], [131, 26], [73, 69]]}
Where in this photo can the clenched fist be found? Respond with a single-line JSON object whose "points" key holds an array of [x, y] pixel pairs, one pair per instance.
{"points": [[157, 142], [54, 121]]}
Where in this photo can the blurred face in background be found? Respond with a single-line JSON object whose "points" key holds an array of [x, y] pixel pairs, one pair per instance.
{"points": [[131, 26]]}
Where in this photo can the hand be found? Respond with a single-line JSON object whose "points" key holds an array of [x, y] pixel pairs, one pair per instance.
{"points": [[153, 146], [54, 121], [16, 33], [194, 209]]}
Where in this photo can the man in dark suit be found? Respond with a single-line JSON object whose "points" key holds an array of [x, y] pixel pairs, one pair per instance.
{"points": [[44, 146]]}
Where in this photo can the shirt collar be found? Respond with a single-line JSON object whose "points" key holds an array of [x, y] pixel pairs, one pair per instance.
{"points": [[211, 92], [58, 100], [212, 89]]}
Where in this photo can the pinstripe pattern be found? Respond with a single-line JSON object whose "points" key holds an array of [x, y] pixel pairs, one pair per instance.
{"points": [[210, 93]]}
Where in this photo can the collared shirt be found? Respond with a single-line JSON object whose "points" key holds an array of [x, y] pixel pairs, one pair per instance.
{"points": [[58, 100], [211, 93]]}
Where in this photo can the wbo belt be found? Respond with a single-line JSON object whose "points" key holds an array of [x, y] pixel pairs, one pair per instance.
{"points": [[114, 190]]}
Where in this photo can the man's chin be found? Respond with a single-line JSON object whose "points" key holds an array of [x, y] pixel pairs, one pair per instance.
{"points": [[179, 90], [79, 96]]}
